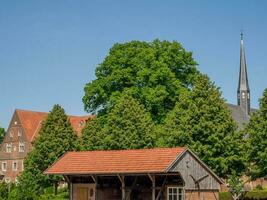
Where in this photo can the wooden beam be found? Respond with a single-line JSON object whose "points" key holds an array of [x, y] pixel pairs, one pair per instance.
{"points": [[215, 195], [66, 178], [131, 187], [121, 178], [153, 180], [161, 188], [94, 178]]}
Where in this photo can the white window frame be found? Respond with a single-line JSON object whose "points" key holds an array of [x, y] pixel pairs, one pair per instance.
{"points": [[178, 194], [8, 148], [19, 132], [22, 165], [15, 163], [11, 133], [2, 166], [21, 146]]}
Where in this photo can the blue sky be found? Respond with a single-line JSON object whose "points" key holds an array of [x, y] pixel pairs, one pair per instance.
{"points": [[50, 49]]}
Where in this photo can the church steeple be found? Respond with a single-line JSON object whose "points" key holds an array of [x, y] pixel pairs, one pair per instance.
{"points": [[243, 92]]}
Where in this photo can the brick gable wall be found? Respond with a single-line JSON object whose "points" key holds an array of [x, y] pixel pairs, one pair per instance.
{"points": [[14, 136]]}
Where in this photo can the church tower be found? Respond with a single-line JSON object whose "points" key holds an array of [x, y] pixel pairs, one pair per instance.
{"points": [[243, 92]]}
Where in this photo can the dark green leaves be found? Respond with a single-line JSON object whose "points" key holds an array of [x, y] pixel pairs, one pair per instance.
{"points": [[126, 126], [257, 133], [56, 137], [201, 121], [154, 73]]}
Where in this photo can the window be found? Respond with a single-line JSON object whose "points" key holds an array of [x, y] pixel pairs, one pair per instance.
{"points": [[8, 148], [4, 166], [15, 166], [19, 133], [11, 133], [21, 146], [243, 95], [175, 193]]}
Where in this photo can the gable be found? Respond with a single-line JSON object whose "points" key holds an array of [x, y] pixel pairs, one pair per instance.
{"points": [[190, 168], [32, 122], [14, 136]]}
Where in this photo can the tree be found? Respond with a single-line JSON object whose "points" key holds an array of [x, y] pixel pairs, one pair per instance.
{"points": [[256, 130], [2, 134], [126, 126], [201, 121], [237, 187], [56, 137], [155, 73]]}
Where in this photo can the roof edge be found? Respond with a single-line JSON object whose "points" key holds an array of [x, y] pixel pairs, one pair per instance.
{"points": [[199, 160]]}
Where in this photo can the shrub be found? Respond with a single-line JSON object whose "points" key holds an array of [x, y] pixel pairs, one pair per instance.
{"points": [[252, 195], [225, 196], [259, 187], [4, 189]]}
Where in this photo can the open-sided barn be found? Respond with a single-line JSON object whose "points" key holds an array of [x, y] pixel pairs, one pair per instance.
{"points": [[157, 174]]}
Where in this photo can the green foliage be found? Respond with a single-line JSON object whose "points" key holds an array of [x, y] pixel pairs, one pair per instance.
{"points": [[201, 121], [154, 73], [4, 189], [251, 195], [256, 195], [63, 194], [257, 133], [56, 137], [2, 134], [236, 186], [259, 187], [225, 196], [126, 126]]}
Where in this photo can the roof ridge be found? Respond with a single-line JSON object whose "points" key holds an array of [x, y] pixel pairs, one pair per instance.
{"points": [[120, 150], [33, 111]]}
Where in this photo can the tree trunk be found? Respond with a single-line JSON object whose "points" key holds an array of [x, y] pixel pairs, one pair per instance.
{"points": [[56, 187]]}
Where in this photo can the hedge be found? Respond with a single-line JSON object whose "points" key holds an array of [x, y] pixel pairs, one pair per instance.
{"points": [[252, 195]]}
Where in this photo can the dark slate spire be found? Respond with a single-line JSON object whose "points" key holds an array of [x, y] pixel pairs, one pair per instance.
{"points": [[243, 92]]}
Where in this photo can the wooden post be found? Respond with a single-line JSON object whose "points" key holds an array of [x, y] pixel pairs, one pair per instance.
{"points": [[123, 194], [152, 178], [94, 177]]}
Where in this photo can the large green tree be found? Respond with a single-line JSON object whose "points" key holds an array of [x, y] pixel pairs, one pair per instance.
{"points": [[126, 126], [56, 137], [155, 73], [256, 131], [2, 134], [201, 121]]}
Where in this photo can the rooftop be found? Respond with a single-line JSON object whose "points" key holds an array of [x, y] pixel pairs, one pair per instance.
{"points": [[116, 161]]}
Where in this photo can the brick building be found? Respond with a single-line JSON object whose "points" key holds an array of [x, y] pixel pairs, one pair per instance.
{"points": [[23, 129]]}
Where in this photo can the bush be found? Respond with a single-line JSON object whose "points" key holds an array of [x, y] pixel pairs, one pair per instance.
{"points": [[252, 195], [256, 195], [4, 189], [259, 187], [225, 196], [49, 194]]}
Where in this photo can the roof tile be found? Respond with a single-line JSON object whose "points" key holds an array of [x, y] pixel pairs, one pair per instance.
{"points": [[116, 161], [32, 121]]}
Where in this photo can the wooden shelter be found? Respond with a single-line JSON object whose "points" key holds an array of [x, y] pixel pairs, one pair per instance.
{"points": [[157, 174]]}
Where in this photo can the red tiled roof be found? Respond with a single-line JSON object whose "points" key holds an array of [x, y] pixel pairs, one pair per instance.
{"points": [[32, 121], [116, 161]]}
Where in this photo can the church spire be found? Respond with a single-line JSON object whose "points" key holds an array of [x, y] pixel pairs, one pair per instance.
{"points": [[243, 92]]}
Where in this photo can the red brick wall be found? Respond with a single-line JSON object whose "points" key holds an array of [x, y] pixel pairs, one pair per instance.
{"points": [[15, 127], [203, 195]]}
